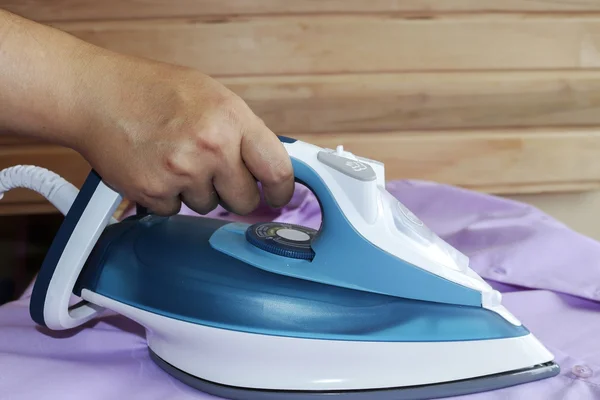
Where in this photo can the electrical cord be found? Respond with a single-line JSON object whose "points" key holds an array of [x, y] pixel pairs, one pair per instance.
{"points": [[53, 187]]}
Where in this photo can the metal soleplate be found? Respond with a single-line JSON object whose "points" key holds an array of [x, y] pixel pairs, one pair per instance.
{"points": [[435, 391]]}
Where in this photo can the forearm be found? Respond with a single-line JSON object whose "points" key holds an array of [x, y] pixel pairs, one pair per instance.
{"points": [[43, 81]]}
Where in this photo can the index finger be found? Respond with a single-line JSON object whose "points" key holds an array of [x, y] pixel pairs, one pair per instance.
{"points": [[266, 158]]}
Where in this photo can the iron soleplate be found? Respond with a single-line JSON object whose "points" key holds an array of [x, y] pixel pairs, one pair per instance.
{"points": [[434, 391]]}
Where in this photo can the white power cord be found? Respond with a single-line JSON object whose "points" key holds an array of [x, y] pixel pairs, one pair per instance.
{"points": [[53, 187]]}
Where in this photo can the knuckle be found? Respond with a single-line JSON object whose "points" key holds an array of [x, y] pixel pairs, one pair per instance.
{"points": [[232, 116], [233, 109], [210, 140], [260, 123], [174, 163], [165, 209], [282, 172], [205, 209], [155, 190], [221, 127], [206, 205], [226, 100], [246, 204]]}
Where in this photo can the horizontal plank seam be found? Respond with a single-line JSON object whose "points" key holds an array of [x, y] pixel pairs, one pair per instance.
{"points": [[393, 73], [406, 15], [430, 71], [550, 132], [22, 209], [469, 130], [33, 147], [496, 132]]}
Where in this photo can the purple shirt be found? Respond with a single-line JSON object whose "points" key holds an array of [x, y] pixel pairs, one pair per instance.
{"points": [[549, 276]]}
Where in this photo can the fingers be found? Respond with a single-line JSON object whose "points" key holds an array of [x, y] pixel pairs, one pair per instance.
{"points": [[162, 206], [267, 159], [236, 186], [200, 195], [157, 197]]}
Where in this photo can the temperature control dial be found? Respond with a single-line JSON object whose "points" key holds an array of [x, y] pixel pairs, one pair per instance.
{"points": [[287, 240]]}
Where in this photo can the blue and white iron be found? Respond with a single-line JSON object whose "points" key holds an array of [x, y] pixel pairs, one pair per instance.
{"points": [[371, 306]]}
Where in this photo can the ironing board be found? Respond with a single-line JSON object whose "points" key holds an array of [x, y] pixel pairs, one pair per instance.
{"points": [[549, 276]]}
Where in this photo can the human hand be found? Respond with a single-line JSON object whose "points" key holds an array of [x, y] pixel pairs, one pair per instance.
{"points": [[157, 133], [162, 135]]}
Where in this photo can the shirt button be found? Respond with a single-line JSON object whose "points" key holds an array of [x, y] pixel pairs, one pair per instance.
{"points": [[582, 371]]}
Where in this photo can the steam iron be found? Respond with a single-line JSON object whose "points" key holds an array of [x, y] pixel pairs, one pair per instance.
{"points": [[372, 306]]}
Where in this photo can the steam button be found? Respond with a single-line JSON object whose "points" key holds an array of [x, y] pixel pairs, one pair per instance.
{"points": [[353, 168]]}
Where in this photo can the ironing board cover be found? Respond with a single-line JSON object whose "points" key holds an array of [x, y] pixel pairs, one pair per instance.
{"points": [[550, 277]]}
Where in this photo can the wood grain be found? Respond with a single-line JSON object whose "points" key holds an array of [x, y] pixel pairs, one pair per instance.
{"points": [[13, 140], [54, 10], [346, 44], [500, 162], [44, 207], [381, 102], [40, 208]]}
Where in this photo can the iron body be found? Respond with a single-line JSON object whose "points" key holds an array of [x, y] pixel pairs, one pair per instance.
{"points": [[373, 305]]}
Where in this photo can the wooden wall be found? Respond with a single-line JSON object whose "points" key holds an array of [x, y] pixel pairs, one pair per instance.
{"points": [[500, 96]]}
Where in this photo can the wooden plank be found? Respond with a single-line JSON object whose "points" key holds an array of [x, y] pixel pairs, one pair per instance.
{"points": [[381, 102], [500, 162], [55, 10], [65, 162], [345, 44], [12, 140], [40, 208]]}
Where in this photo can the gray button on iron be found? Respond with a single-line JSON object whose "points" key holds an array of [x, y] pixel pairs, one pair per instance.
{"points": [[352, 168]]}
